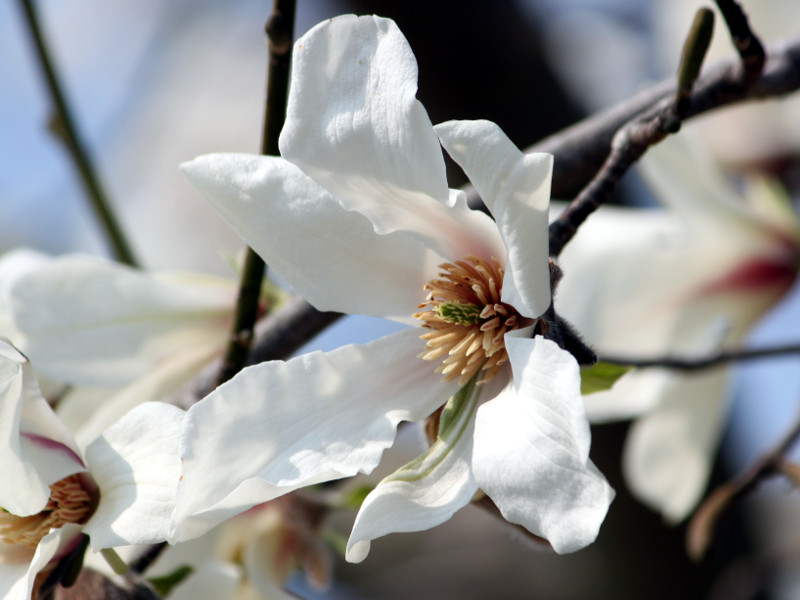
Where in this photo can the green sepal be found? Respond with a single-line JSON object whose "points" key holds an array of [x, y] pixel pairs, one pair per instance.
{"points": [[164, 584], [453, 423], [355, 497], [601, 376]]}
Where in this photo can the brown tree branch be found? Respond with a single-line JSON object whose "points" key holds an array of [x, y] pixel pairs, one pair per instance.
{"points": [[697, 364], [580, 150], [699, 535]]}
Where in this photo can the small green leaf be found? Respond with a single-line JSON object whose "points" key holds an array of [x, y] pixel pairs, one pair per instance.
{"points": [[336, 541], [356, 496], [166, 583], [601, 376]]}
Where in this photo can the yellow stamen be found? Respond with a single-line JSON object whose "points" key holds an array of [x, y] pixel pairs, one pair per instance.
{"points": [[467, 319], [69, 503]]}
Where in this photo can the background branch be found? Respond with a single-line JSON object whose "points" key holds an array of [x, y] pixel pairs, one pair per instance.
{"points": [[697, 364], [701, 528], [581, 149], [63, 126], [279, 30]]}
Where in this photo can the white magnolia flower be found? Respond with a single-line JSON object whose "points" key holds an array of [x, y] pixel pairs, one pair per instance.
{"points": [[119, 491], [685, 282], [254, 553], [89, 321], [356, 217]]}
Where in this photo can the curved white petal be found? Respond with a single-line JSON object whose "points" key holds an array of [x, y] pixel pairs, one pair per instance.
{"points": [[332, 257], [531, 453], [90, 321], [279, 426], [428, 490], [516, 189], [13, 264], [354, 125], [17, 576], [89, 413], [669, 452], [37, 449], [135, 465], [683, 175]]}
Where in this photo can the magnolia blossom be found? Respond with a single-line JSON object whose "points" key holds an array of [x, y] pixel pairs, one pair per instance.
{"points": [[358, 218], [119, 491], [686, 281], [90, 321], [253, 554], [119, 336]]}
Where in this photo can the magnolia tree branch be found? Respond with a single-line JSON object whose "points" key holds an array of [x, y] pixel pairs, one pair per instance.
{"points": [[697, 364], [701, 528], [640, 133], [279, 29], [63, 126], [580, 150], [747, 44]]}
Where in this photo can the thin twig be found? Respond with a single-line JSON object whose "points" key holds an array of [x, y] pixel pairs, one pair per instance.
{"points": [[581, 149], [699, 534], [279, 30], [634, 138], [63, 125], [746, 42], [697, 364]]}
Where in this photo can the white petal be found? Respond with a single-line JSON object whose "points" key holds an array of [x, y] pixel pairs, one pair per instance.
{"points": [[279, 426], [94, 322], [97, 413], [516, 189], [354, 125], [683, 176], [668, 453], [17, 577], [330, 256], [428, 490], [531, 449], [12, 265], [37, 449], [135, 464]]}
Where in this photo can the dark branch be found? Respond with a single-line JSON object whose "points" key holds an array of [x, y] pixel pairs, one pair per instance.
{"points": [[63, 125], [700, 532], [697, 364], [580, 150], [279, 30], [747, 44]]}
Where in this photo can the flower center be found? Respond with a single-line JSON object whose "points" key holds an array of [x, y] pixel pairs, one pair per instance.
{"points": [[468, 320], [69, 503]]}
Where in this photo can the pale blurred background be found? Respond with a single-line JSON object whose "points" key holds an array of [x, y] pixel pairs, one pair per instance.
{"points": [[155, 83]]}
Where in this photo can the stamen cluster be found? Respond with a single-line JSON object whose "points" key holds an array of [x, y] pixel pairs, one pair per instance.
{"points": [[69, 503], [468, 320]]}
